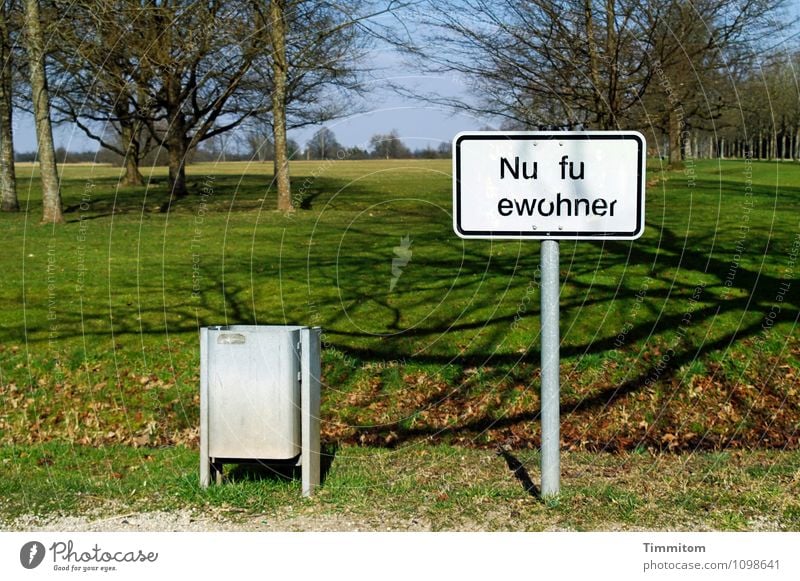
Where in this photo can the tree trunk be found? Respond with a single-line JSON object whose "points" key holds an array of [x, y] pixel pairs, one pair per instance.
{"points": [[611, 48], [279, 75], [674, 139], [8, 179], [176, 141], [177, 168], [51, 194], [133, 176], [176, 144], [129, 142]]}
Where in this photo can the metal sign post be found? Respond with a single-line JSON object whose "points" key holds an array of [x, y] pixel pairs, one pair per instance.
{"points": [[549, 186], [550, 343]]}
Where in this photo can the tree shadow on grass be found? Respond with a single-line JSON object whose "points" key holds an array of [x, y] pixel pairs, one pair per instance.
{"points": [[674, 262], [223, 193], [750, 291]]}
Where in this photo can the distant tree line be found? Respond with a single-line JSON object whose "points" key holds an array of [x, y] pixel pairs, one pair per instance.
{"points": [[322, 145]]}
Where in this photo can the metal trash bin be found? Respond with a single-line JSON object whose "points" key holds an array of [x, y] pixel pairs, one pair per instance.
{"points": [[260, 398]]}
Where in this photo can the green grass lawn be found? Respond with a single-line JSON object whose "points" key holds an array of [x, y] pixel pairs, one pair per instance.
{"points": [[683, 340]]}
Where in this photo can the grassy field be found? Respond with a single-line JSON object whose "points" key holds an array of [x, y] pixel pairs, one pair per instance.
{"points": [[685, 340], [413, 488]]}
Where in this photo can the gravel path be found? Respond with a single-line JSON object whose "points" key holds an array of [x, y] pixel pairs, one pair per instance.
{"points": [[190, 521]]}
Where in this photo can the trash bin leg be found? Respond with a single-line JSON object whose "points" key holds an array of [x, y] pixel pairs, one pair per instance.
{"points": [[205, 471], [309, 413], [205, 460], [216, 472]]}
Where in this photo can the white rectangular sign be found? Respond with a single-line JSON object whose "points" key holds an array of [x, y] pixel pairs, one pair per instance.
{"points": [[549, 185]]}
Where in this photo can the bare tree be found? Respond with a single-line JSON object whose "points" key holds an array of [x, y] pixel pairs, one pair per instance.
{"points": [[323, 145], [201, 55], [539, 63], [51, 193], [182, 72], [258, 139], [8, 180], [698, 49], [100, 80], [600, 64], [766, 122], [179, 72], [313, 67], [389, 146]]}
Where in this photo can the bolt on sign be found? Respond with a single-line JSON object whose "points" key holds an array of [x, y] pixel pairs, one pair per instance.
{"points": [[549, 185]]}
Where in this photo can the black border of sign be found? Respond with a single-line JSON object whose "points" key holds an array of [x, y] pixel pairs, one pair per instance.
{"points": [[559, 234]]}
